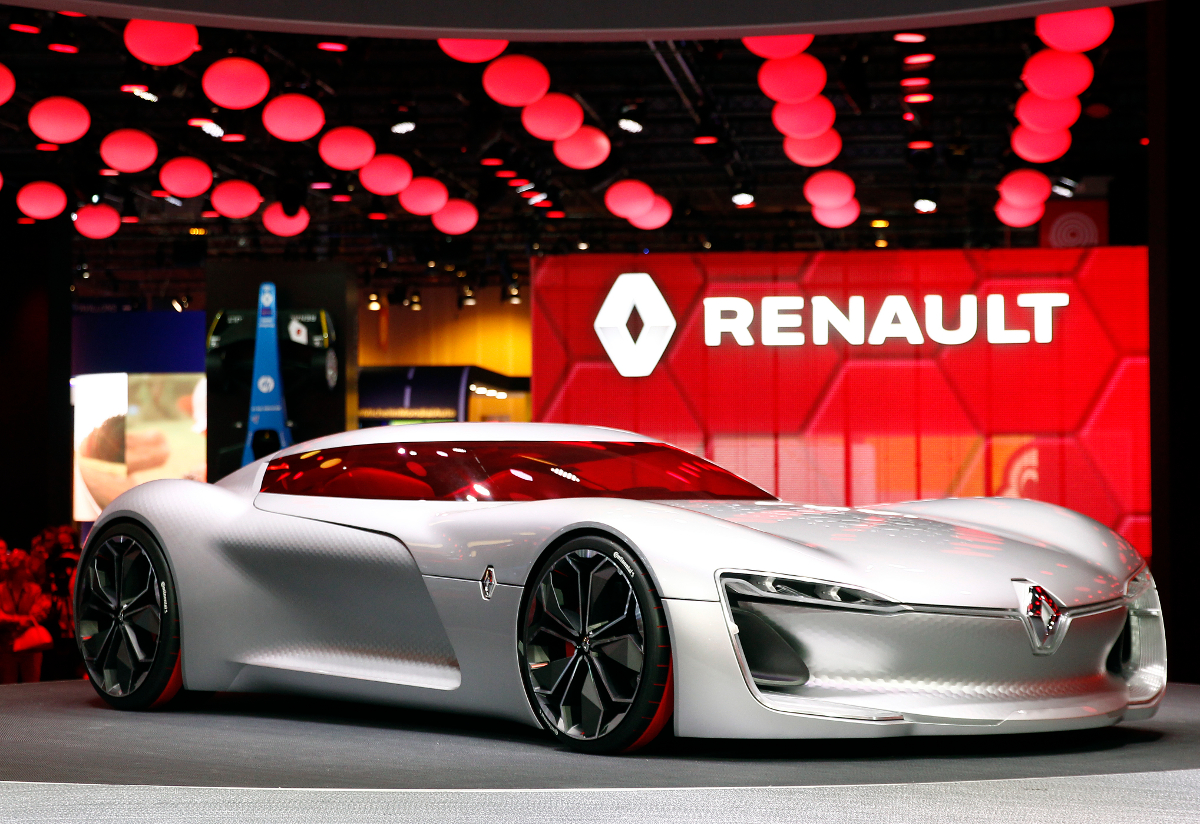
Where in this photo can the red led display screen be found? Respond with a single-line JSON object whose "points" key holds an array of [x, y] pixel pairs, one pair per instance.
{"points": [[853, 378]]}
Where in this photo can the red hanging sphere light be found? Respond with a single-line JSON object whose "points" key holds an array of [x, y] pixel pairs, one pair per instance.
{"points": [[829, 189], [346, 148], [792, 79], [839, 217], [586, 149], [185, 176], [97, 221], [656, 218], [1024, 188], [1019, 217], [1055, 75], [59, 119], [236, 83], [278, 223], [235, 199], [41, 200], [128, 150], [293, 117], [8, 84], [159, 43], [516, 80], [555, 117], [424, 196], [778, 46], [457, 217], [1040, 147], [629, 198], [1044, 115], [1075, 31], [472, 51], [806, 120], [816, 151], [386, 174]]}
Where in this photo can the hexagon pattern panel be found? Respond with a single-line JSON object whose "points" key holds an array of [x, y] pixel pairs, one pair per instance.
{"points": [[854, 378]]}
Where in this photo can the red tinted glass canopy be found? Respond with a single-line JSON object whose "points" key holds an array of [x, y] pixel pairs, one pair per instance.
{"points": [[506, 471]]}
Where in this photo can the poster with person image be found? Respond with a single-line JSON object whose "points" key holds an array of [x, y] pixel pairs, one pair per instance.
{"points": [[133, 428]]}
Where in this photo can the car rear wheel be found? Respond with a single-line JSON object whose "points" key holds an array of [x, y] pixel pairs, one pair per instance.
{"points": [[127, 619], [594, 648]]}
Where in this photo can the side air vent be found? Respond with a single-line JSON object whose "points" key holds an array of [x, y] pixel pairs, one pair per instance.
{"points": [[772, 661]]}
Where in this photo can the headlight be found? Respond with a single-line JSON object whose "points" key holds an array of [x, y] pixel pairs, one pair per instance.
{"points": [[1140, 654]]}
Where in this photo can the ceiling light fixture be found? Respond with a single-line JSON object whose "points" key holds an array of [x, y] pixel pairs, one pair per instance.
{"points": [[743, 200], [630, 125], [404, 127], [919, 97], [914, 82], [925, 205], [332, 47], [908, 37], [918, 59]]}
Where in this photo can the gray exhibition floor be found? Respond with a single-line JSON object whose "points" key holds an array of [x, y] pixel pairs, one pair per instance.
{"points": [[270, 758]]}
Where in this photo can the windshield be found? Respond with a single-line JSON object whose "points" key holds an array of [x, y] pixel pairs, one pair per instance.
{"points": [[507, 471]]}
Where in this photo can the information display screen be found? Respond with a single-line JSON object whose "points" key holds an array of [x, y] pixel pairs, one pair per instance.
{"points": [[854, 378]]}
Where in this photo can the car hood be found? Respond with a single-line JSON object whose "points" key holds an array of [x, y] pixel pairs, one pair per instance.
{"points": [[947, 552]]}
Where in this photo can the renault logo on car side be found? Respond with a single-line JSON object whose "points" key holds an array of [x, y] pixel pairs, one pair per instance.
{"points": [[1042, 615], [635, 290]]}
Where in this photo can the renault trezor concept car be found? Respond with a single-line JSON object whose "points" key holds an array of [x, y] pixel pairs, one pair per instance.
{"points": [[601, 584]]}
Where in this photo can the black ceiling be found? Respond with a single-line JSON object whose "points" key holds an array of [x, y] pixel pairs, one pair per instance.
{"points": [[974, 82]]}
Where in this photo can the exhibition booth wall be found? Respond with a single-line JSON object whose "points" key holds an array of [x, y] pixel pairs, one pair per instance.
{"points": [[854, 378]]}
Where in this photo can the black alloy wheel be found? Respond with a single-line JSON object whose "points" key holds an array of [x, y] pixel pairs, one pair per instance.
{"points": [[126, 618], [594, 648]]}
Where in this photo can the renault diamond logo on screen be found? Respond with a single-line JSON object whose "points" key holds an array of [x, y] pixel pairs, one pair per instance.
{"points": [[635, 358]]}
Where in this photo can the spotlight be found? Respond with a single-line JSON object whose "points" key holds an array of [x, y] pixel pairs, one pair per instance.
{"points": [[467, 298], [743, 200], [881, 244], [909, 117], [919, 97], [332, 47], [373, 302], [914, 82], [504, 174], [926, 205], [908, 37], [582, 245], [414, 300], [491, 161], [919, 59], [1064, 187], [63, 48], [630, 125], [920, 145], [404, 127], [879, 224]]}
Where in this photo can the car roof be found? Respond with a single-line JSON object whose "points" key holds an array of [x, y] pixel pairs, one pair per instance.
{"points": [[451, 432]]}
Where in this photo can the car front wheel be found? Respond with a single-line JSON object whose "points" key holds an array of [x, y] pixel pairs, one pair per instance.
{"points": [[594, 647]]}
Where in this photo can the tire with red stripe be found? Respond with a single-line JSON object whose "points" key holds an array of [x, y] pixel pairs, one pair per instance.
{"points": [[127, 618], [594, 649]]}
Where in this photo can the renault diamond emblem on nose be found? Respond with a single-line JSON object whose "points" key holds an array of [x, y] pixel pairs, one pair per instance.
{"points": [[635, 290], [1042, 615]]}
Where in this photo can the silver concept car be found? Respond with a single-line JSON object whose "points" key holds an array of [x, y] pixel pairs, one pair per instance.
{"points": [[601, 584]]}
